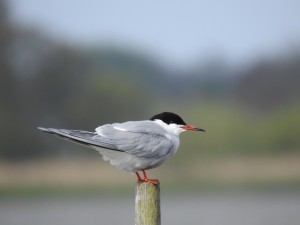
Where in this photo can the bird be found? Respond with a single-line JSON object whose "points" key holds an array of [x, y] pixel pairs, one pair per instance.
{"points": [[133, 146]]}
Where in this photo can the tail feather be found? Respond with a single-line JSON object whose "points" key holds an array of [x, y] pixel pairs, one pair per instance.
{"points": [[85, 138]]}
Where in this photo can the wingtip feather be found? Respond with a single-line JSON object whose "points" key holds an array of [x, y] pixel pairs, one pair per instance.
{"points": [[44, 129]]}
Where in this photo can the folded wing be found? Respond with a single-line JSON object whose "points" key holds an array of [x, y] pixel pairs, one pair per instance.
{"points": [[142, 139]]}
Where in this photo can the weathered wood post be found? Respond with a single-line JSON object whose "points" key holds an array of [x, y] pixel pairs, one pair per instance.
{"points": [[147, 204]]}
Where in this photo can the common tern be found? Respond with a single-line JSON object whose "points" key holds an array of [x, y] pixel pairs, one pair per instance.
{"points": [[133, 146]]}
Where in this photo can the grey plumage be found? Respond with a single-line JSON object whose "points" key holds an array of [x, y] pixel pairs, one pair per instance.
{"points": [[131, 146], [85, 138]]}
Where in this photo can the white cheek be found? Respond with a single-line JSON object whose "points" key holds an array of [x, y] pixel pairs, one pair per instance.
{"points": [[180, 130], [175, 129], [172, 128]]}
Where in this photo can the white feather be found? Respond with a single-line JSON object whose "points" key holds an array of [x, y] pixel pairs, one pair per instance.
{"points": [[172, 128], [119, 128]]}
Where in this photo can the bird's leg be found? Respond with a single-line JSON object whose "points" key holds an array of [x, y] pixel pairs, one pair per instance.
{"points": [[152, 181], [139, 178]]}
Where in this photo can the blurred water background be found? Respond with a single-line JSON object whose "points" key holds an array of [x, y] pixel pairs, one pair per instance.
{"points": [[232, 68]]}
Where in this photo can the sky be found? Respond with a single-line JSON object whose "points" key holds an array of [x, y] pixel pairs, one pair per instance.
{"points": [[176, 32]]}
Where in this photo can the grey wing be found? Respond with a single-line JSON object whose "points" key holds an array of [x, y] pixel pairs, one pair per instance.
{"points": [[142, 138], [144, 145], [85, 138]]}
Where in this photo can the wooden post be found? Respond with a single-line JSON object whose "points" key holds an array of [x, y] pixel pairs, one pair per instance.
{"points": [[147, 204]]}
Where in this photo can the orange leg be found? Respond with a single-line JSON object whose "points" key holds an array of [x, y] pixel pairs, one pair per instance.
{"points": [[152, 181], [139, 178]]}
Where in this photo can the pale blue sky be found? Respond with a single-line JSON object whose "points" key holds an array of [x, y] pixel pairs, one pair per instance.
{"points": [[176, 32]]}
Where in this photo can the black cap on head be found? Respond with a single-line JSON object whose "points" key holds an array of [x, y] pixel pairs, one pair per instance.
{"points": [[168, 118]]}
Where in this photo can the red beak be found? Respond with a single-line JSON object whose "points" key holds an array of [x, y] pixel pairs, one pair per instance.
{"points": [[192, 128]]}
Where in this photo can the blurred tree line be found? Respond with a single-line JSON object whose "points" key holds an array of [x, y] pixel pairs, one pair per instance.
{"points": [[47, 82]]}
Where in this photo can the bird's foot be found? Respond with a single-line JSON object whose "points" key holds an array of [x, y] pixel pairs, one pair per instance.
{"points": [[152, 181], [146, 179]]}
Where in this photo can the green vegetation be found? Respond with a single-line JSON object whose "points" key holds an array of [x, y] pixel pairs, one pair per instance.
{"points": [[46, 82], [232, 130], [250, 112]]}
